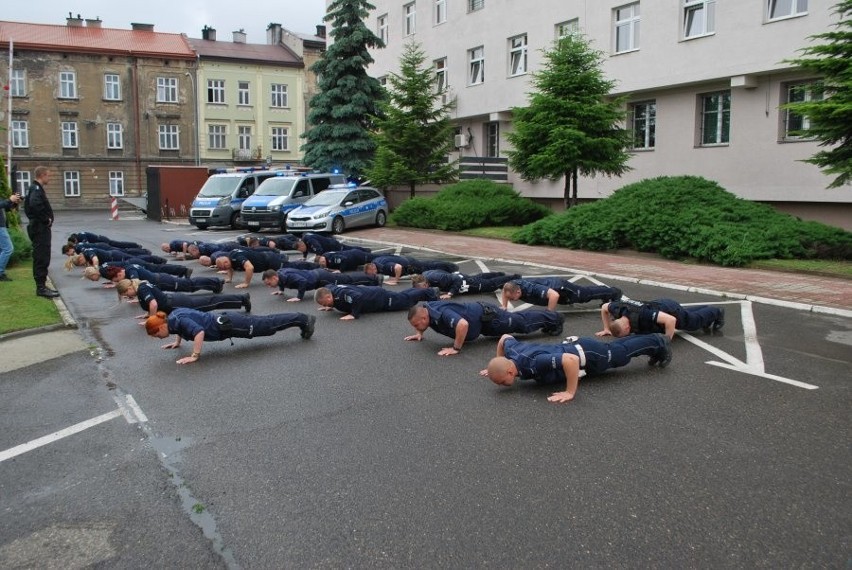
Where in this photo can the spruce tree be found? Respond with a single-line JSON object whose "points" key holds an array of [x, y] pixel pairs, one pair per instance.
{"points": [[414, 136], [342, 112], [571, 126], [830, 117]]}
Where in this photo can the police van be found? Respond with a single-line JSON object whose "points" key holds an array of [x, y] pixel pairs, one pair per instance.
{"points": [[220, 200], [278, 195]]}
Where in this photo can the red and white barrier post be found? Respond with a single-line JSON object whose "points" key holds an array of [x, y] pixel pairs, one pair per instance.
{"points": [[114, 208]]}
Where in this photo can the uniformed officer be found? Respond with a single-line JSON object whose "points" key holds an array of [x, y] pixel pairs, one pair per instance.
{"points": [[621, 318], [319, 244], [250, 261], [199, 249], [303, 280], [345, 260], [153, 299], [459, 283], [357, 299], [466, 321], [72, 248], [92, 256], [84, 236], [550, 291], [395, 266], [164, 281], [197, 326], [566, 362]]}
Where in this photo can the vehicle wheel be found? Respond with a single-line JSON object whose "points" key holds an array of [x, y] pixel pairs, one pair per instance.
{"points": [[338, 225], [381, 219], [236, 221], [201, 226]]}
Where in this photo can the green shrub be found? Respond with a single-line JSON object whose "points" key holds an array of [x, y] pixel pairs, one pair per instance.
{"points": [[469, 204], [688, 216], [23, 246]]}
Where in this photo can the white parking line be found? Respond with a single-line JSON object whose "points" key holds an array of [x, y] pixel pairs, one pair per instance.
{"points": [[57, 435]]}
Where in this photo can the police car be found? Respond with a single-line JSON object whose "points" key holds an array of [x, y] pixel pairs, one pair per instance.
{"points": [[337, 209]]}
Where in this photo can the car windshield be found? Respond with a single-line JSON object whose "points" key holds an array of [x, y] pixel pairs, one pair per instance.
{"points": [[275, 187], [216, 187], [327, 198]]}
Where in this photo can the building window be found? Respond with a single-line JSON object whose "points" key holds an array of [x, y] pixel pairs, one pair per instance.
{"points": [[440, 11], [716, 118], [67, 85], [69, 134], [22, 182], [473, 5], [243, 93], [699, 18], [244, 137], [71, 182], [644, 121], [409, 19], [279, 95], [518, 55], [477, 66], [112, 87], [383, 81], [382, 28], [115, 135], [280, 138], [776, 9], [116, 183], [441, 75], [565, 29], [18, 85], [795, 124], [216, 137], [627, 28], [20, 134], [216, 91], [169, 137], [492, 139], [167, 90]]}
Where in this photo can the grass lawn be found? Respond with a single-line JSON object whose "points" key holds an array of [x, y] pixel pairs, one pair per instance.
{"points": [[20, 307]]}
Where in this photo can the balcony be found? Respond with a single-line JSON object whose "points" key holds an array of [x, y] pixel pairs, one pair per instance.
{"points": [[247, 154]]}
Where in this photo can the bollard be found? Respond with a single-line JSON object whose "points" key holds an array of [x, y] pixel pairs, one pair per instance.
{"points": [[114, 208]]}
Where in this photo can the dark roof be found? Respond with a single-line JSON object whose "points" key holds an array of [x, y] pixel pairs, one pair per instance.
{"points": [[258, 53], [85, 39]]}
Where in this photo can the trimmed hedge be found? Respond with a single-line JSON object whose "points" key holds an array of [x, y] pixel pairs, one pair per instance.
{"points": [[469, 204], [23, 246], [688, 217]]}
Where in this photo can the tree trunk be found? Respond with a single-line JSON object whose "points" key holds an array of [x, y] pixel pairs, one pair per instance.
{"points": [[574, 187], [411, 189], [566, 191]]}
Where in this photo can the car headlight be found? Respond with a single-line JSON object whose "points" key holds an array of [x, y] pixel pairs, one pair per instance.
{"points": [[275, 208], [224, 200], [319, 216]]}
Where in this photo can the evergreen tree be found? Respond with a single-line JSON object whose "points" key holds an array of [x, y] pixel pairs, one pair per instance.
{"points": [[570, 127], [341, 115], [414, 136], [830, 117]]}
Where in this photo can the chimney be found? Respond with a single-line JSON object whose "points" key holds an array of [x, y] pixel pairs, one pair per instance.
{"points": [[240, 36], [74, 22], [141, 27], [96, 23], [208, 33], [321, 30], [273, 34]]}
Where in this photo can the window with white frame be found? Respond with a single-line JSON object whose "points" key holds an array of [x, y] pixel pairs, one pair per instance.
{"points": [[476, 74], [217, 137], [23, 179], [473, 5], [169, 136], [216, 91], [409, 19], [243, 93], [382, 28], [69, 134], [67, 85], [777, 9], [518, 55], [644, 124], [20, 134], [492, 139], [568, 28], [627, 28], [112, 87], [278, 93], [71, 183], [115, 135], [280, 139], [244, 137], [116, 183], [715, 118], [699, 18], [441, 75], [440, 11], [796, 125], [18, 83], [167, 90], [383, 80]]}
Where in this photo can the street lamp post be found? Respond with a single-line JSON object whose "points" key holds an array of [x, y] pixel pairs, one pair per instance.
{"points": [[195, 118]]}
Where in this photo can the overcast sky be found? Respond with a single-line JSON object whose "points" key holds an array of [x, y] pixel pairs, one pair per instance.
{"points": [[177, 16]]}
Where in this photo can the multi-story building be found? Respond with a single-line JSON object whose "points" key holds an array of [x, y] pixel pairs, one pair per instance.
{"points": [[97, 105], [704, 79]]}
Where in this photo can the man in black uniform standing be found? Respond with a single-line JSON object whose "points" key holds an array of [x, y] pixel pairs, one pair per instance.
{"points": [[40, 215]]}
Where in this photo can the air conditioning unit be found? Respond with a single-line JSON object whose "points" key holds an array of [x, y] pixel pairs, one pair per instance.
{"points": [[461, 141]]}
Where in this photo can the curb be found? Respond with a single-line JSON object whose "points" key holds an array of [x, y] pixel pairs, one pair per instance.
{"points": [[68, 322]]}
